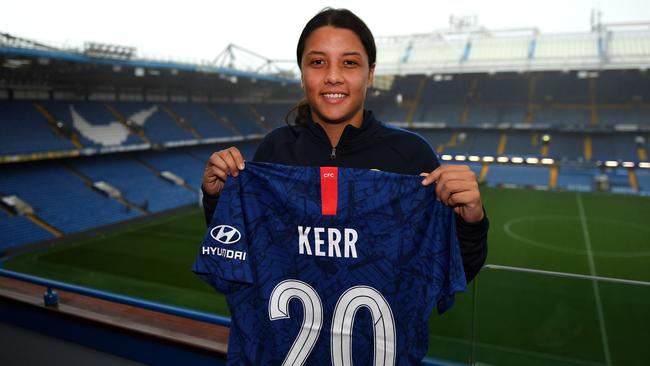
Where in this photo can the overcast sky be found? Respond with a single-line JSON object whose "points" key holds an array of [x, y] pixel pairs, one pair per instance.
{"points": [[201, 29]]}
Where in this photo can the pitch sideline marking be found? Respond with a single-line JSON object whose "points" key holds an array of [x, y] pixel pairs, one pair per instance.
{"points": [[592, 270], [541, 355]]}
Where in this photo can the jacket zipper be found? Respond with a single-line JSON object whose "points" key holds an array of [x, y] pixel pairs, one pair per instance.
{"points": [[333, 154]]}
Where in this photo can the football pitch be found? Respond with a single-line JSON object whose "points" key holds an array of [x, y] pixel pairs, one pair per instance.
{"points": [[506, 317]]}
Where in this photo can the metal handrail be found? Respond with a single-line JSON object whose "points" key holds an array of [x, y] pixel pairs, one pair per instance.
{"points": [[50, 298], [566, 275]]}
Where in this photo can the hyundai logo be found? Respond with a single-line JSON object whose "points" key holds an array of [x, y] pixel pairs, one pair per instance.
{"points": [[225, 234]]}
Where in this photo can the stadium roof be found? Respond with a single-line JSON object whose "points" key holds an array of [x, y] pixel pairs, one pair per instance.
{"points": [[477, 49], [252, 66]]}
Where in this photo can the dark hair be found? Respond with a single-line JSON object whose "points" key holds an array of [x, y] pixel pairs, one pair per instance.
{"points": [[338, 18]]}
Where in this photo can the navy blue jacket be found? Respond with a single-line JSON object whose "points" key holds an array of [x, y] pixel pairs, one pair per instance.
{"points": [[374, 145]]}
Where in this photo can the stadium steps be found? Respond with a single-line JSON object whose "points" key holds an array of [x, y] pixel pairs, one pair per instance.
{"points": [[413, 104], [588, 151], [157, 172], [472, 91], [223, 120], [543, 151], [484, 171], [503, 141], [181, 122], [260, 120], [593, 105], [120, 117], [642, 153], [52, 122], [89, 183], [40, 222], [530, 107], [553, 173], [634, 181], [6, 209], [453, 141]]}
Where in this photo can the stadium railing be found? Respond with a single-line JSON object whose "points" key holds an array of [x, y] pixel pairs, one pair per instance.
{"points": [[50, 298]]}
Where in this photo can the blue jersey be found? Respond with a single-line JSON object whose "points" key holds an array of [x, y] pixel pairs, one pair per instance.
{"points": [[330, 266]]}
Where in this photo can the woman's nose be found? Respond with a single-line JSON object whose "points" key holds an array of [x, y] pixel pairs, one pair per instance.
{"points": [[333, 75]]}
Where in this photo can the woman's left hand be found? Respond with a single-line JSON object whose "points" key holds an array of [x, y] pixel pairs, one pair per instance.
{"points": [[457, 186]]}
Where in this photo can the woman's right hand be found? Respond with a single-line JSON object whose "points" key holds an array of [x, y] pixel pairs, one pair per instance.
{"points": [[220, 165]]}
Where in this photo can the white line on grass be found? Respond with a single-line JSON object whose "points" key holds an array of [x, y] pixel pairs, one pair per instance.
{"points": [[539, 355], [592, 270]]}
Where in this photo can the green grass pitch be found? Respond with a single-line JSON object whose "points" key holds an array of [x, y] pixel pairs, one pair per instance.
{"points": [[513, 318]]}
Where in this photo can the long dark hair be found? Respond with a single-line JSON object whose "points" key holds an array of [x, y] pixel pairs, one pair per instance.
{"points": [[338, 18]]}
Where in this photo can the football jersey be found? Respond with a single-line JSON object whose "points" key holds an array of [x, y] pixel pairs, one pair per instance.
{"points": [[330, 266]]}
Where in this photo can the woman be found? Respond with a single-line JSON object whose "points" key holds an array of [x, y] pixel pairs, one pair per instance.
{"points": [[336, 54]]}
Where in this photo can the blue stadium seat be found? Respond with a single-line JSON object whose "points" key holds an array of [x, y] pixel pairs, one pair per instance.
{"points": [[159, 127], [643, 178], [521, 144], [517, 174], [242, 117], [576, 179], [197, 115], [567, 145], [17, 230], [137, 183], [59, 198], [273, 113], [178, 162], [25, 130]]}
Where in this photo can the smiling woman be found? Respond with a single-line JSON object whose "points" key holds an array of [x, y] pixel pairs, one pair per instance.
{"points": [[336, 54]]}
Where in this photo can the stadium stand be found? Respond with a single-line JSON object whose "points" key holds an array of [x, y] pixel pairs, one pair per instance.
{"points": [[576, 179], [60, 198], [246, 122], [523, 143], [272, 114], [16, 230], [137, 183], [473, 95], [643, 178], [158, 126], [178, 162], [517, 175], [25, 130], [96, 125], [202, 153], [198, 119], [567, 146]]}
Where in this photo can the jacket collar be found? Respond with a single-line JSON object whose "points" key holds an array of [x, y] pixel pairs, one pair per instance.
{"points": [[351, 135]]}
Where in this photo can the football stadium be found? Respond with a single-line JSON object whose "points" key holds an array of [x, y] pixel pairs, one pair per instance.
{"points": [[102, 154]]}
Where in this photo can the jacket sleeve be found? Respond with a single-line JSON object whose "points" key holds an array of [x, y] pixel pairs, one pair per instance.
{"points": [[210, 201], [473, 244], [471, 237], [209, 205]]}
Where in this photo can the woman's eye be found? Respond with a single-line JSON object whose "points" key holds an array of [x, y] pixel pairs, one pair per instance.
{"points": [[350, 63], [317, 62]]}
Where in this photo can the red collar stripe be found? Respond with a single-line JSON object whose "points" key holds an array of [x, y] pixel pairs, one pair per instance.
{"points": [[329, 192]]}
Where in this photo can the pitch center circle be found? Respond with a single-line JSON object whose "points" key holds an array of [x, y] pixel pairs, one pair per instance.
{"points": [[508, 228]]}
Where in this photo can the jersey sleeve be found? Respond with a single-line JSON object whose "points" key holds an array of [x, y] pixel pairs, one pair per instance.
{"points": [[223, 260], [454, 276]]}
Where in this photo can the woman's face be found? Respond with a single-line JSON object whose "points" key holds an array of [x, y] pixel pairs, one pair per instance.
{"points": [[335, 75]]}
